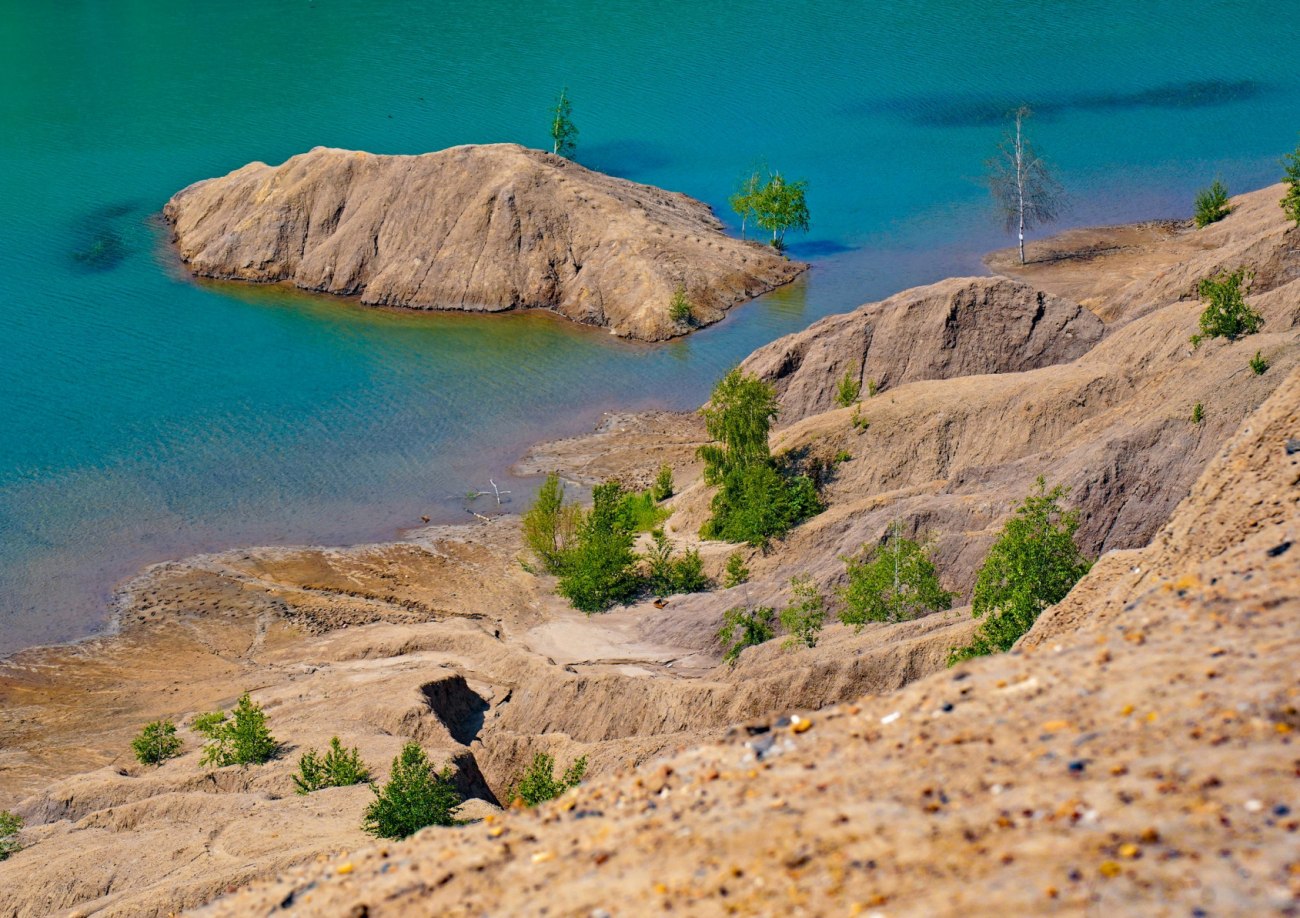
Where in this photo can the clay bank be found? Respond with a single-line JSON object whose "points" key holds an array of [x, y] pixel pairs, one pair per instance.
{"points": [[480, 228]]}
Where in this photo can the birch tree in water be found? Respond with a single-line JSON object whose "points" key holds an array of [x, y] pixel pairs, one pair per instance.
{"points": [[1022, 184]]}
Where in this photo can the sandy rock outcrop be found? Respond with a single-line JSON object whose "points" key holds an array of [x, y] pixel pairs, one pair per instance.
{"points": [[1146, 765], [963, 326], [483, 228]]}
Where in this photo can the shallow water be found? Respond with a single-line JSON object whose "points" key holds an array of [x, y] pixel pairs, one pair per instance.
{"points": [[145, 416]]}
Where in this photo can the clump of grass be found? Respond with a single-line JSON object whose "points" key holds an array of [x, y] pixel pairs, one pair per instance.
{"points": [[679, 309], [1258, 364], [339, 767], [538, 783], [414, 797], [156, 743], [1211, 204]]}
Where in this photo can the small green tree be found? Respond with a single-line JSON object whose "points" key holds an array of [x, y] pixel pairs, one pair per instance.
{"points": [[1291, 200], [563, 131], [872, 389], [537, 783], [1021, 182], [780, 205], [679, 308], [663, 486], [847, 391], [1198, 413], [743, 627], [10, 826], [640, 512], [414, 797], [755, 502], [743, 198], [1258, 364], [243, 738], [550, 523], [1211, 204], [804, 617], [667, 575], [1227, 315], [894, 581], [600, 568], [1033, 564], [156, 743], [736, 573], [339, 767]]}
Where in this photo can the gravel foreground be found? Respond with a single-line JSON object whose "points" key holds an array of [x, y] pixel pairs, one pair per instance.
{"points": [[1137, 756]]}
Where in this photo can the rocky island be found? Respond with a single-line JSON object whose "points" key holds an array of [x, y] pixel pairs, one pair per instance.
{"points": [[482, 228]]}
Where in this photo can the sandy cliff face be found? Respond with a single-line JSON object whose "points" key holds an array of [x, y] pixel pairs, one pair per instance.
{"points": [[957, 327], [486, 228]]}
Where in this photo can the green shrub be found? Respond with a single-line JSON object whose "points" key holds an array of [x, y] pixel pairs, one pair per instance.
{"points": [[1258, 364], [871, 388], [240, 739], [1198, 413], [679, 310], [549, 524], [10, 825], [893, 582], [843, 456], [338, 768], [847, 392], [1291, 201], [736, 573], [600, 569], [756, 502], [1033, 564], [538, 783], [666, 575], [804, 616], [641, 512], [743, 628], [156, 743], [1227, 315], [1212, 204], [663, 486], [413, 798]]}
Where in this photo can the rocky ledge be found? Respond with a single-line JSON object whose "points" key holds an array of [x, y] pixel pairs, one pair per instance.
{"points": [[482, 228]]}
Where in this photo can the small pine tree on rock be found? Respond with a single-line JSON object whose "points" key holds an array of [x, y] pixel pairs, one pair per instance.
{"points": [[1033, 564], [1227, 315], [242, 738], [156, 743], [10, 826], [1211, 204], [804, 617], [339, 767], [1291, 200], [1258, 364], [742, 627], [414, 797], [847, 391], [538, 784], [736, 572]]}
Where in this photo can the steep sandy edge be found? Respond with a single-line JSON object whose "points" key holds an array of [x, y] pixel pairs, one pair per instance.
{"points": [[483, 228], [1142, 765]]}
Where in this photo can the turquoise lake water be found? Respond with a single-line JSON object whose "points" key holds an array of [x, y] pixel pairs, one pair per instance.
{"points": [[144, 416]]}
